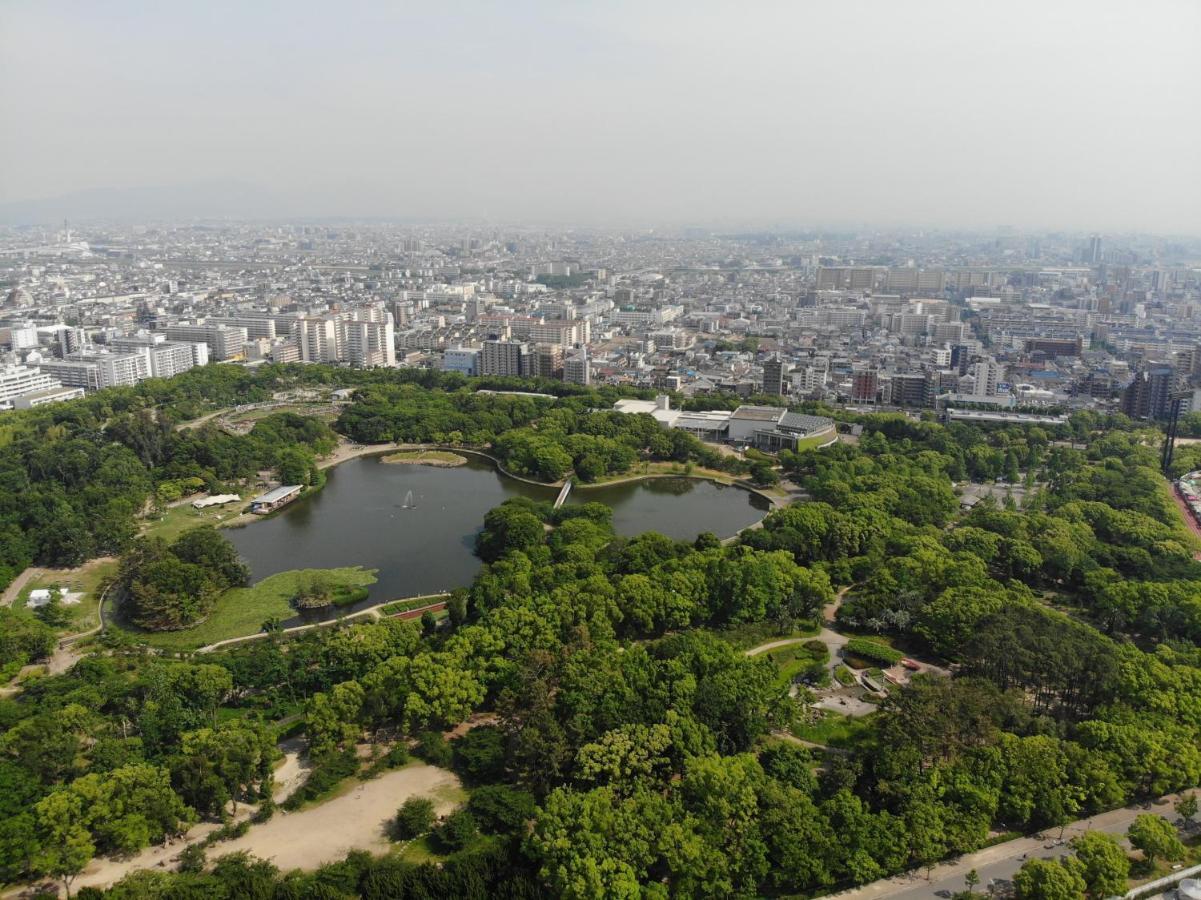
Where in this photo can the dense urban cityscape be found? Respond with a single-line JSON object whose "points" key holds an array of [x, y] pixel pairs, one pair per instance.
{"points": [[1005, 325]]}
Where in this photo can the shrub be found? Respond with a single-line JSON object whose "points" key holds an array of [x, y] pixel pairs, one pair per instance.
{"points": [[192, 858], [414, 818], [327, 772], [434, 749], [874, 652]]}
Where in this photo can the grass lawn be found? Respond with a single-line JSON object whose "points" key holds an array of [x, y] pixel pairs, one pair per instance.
{"points": [[844, 676], [816, 440], [796, 659], [85, 579], [427, 457], [638, 470], [175, 521], [833, 730], [242, 611]]}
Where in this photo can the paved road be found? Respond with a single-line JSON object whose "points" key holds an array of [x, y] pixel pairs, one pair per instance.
{"points": [[1002, 860]]}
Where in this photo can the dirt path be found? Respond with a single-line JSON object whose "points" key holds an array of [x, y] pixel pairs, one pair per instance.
{"points": [[346, 450], [13, 591]]}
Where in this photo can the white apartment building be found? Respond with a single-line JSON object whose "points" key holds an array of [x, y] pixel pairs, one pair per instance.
{"points": [[370, 344], [319, 340], [94, 371], [224, 341], [986, 374], [18, 380], [164, 358]]}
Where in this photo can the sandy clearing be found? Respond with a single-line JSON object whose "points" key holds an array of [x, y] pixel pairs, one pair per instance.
{"points": [[311, 837], [356, 820]]}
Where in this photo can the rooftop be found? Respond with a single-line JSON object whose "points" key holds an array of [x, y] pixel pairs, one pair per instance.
{"points": [[759, 413], [278, 493]]}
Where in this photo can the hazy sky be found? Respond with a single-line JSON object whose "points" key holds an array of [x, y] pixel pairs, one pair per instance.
{"points": [[1059, 113]]}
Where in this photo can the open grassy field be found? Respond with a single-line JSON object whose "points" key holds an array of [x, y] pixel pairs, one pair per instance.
{"points": [[173, 522], [833, 730], [426, 457], [242, 611], [797, 659], [87, 580], [643, 469]]}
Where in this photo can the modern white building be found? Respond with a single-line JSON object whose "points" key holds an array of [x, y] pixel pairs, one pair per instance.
{"points": [[461, 359], [93, 371], [18, 380], [224, 341]]}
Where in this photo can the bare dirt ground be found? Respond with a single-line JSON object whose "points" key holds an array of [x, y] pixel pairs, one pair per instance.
{"points": [[356, 820], [310, 837]]}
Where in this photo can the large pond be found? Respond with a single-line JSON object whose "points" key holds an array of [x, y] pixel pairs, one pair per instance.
{"points": [[360, 519]]}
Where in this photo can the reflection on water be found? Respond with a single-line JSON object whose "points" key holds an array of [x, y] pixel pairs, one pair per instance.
{"points": [[360, 519]]}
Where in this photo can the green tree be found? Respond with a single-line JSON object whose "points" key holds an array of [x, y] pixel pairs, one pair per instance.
{"points": [[971, 879], [1156, 837], [1186, 806], [1103, 865], [457, 830], [65, 846], [1039, 879]]}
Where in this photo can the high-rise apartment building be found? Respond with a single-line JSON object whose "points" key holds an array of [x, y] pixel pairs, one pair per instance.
{"points": [[987, 375], [865, 386], [164, 358], [1149, 395], [547, 361], [18, 380], [577, 369], [504, 358], [224, 341], [94, 371], [370, 343], [773, 376]]}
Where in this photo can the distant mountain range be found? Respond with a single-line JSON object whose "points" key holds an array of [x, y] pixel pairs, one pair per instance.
{"points": [[179, 202]]}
